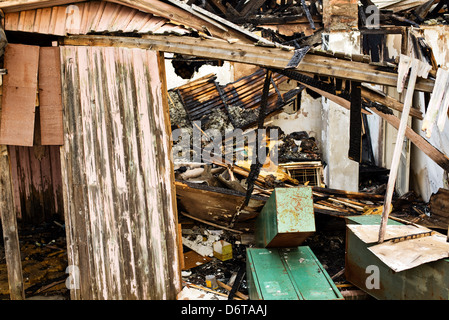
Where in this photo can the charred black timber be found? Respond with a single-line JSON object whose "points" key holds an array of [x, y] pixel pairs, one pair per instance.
{"points": [[308, 15], [355, 126], [255, 167], [312, 82]]}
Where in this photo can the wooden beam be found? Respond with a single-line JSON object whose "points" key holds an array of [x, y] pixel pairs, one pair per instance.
{"points": [[10, 231], [232, 26], [339, 100], [220, 6], [166, 113], [263, 56], [414, 66], [388, 101], [251, 5], [183, 17], [433, 153]]}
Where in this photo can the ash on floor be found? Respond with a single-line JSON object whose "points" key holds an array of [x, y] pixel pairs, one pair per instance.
{"points": [[44, 262], [327, 243]]}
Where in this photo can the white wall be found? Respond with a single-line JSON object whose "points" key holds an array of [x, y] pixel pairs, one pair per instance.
{"points": [[307, 118], [427, 176], [340, 172]]}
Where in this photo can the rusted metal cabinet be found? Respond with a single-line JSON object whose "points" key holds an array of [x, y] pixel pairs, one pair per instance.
{"points": [[288, 274], [287, 218], [428, 281]]}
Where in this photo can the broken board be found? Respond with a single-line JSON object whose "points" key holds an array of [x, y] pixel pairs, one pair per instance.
{"points": [[215, 204], [50, 101], [193, 259], [19, 95]]}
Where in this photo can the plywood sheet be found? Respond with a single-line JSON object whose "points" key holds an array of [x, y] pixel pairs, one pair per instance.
{"points": [[405, 254], [412, 253], [19, 95], [370, 233], [50, 96]]}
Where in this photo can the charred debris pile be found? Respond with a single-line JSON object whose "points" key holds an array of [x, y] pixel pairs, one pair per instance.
{"points": [[302, 20], [219, 201]]}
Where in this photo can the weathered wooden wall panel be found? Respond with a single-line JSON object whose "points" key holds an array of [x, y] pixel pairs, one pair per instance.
{"points": [[50, 104], [86, 17], [117, 175], [37, 183], [19, 95], [9, 227]]}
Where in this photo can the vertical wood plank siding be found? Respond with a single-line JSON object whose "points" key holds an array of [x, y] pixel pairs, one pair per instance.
{"points": [[87, 17], [37, 184], [117, 175]]}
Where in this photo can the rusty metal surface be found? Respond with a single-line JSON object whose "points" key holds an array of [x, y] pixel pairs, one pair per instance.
{"points": [[287, 218], [295, 210]]}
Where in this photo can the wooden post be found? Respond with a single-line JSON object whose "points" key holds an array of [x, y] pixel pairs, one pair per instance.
{"points": [[416, 68], [10, 233]]}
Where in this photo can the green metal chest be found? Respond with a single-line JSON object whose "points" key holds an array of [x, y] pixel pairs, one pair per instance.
{"points": [[288, 274], [287, 218]]}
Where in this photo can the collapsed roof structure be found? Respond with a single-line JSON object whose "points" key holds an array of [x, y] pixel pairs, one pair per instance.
{"points": [[87, 115]]}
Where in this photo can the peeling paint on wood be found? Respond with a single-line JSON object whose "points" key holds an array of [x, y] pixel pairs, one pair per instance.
{"points": [[117, 177], [86, 17]]}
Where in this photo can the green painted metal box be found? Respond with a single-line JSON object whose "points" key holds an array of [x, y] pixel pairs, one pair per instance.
{"points": [[288, 274], [429, 281], [286, 219]]}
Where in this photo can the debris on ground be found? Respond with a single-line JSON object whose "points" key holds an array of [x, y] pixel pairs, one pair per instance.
{"points": [[44, 262], [220, 201]]}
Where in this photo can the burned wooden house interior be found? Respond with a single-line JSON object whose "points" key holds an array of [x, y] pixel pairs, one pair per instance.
{"points": [[224, 149]]}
